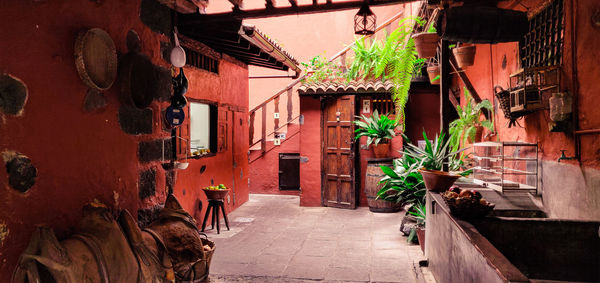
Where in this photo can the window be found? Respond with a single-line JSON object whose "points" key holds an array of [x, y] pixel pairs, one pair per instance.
{"points": [[542, 45], [203, 127], [383, 104]]}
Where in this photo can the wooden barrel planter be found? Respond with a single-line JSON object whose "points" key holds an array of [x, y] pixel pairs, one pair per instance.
{"points": [[372, 186], [480, 24]]}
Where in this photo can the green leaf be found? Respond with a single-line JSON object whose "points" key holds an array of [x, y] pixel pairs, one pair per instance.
{"points": [[388, 171]]}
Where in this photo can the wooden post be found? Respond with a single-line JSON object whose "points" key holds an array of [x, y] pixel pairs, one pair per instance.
{"points": [[446, 112], [263, 136], [290, 107], [251, 128], [276, 120]]}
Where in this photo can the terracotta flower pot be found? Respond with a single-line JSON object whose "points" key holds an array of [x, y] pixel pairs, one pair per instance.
{"points": [[421, 237], [381, 150], [465, 55], [478, 135], [438, 181], [216, 194], [433, 71], [426, 44]]}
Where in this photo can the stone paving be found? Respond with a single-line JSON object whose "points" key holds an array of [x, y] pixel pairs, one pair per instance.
{"points": [[273, 239]]}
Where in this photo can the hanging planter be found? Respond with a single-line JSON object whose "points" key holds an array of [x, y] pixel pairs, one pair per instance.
{"points": [[465, 55], [433, 71], [426, 44]]}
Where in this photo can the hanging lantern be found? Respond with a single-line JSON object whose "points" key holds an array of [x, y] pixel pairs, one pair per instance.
{"points": [[365, 21]]}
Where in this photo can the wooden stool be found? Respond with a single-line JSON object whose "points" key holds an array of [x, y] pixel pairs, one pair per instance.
{"points": [[215, 204]]}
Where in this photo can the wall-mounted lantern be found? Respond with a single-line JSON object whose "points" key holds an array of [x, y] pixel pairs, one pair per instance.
{"points": [[365, 21]]}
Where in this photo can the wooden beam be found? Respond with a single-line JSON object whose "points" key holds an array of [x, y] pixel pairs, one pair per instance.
{"points": [[465, 79], [293, 3], [237, 4], [269, 4], [282, 11]]}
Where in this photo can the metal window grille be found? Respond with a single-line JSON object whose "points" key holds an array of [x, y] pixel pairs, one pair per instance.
{"points": [[383, 104], [201, 61], [543, 43]]}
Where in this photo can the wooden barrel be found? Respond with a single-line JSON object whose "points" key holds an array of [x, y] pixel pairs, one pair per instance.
{"points": [[373, 175], [482, 24]]}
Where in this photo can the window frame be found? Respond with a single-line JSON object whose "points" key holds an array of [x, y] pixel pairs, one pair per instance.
{"points": [[213, 127]]}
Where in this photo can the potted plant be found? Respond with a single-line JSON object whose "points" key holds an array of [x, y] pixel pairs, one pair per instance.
{"points": [[465, 55], [403, 184], [379, 130], [433, 71], [418, 210], [426, 42], [433, 157], [393, 59], [468, 127]]}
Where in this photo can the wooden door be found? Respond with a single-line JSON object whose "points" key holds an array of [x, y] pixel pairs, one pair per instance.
{"points": [[289, 171], [338, 153]]}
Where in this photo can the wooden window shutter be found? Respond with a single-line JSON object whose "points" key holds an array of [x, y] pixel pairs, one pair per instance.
{"points": [[223, 126], [183, 132]]}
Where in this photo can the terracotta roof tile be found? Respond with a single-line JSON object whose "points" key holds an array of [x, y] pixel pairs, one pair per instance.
{"points": [[353, 87]]}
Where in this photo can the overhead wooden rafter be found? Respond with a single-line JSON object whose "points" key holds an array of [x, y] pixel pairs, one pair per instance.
{"points": [[237, 4], [294, 8]]}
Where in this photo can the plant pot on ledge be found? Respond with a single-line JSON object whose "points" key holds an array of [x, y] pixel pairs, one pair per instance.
{"points": [[438, 181], [382, 150]]}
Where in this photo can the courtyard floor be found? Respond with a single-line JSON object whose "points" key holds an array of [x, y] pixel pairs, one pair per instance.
{"points": [[273, 239]]}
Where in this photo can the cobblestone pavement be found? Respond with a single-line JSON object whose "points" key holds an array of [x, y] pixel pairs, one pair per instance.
{"points": [[273, 239]]}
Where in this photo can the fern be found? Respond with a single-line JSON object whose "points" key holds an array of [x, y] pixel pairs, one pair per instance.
{"points": [[394, 59]]}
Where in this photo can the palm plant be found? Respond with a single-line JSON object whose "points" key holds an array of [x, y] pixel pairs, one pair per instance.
{"points": [[377, 128], [464, 129], [418, 210], [393, 59], [404, 183], [435, 154]]}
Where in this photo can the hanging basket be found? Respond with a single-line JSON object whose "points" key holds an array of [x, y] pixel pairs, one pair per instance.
{"points": [[433, 72], [426, 44], [465, 55]]}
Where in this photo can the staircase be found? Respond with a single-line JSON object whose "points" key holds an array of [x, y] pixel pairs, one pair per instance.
{"points": [[263, 142]]}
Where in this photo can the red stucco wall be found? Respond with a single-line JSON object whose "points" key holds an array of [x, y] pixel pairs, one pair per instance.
{"points": [[230, 90], [81, 156], [310, 152], [264, 176], [570, 188]]}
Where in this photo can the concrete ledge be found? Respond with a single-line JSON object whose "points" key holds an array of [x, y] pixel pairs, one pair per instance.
{"points": [[457, 252]]}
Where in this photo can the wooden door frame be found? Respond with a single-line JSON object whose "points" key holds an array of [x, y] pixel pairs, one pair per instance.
{"points": [[324, 152]]}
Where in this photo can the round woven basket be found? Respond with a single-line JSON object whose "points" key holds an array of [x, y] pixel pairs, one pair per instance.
{"points": [[215, 194], [96, 59]]}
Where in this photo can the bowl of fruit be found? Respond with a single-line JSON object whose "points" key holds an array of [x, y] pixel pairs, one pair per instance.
{"points": [[467, 203], [216, 192]]}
